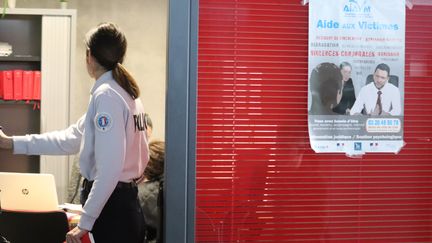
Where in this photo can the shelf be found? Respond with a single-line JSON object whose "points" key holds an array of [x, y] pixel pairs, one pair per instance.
{"points": [[21, 59], [18, 102]]}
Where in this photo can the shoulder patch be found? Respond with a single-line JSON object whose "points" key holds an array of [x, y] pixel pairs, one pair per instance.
{"points": [[103, 122]]}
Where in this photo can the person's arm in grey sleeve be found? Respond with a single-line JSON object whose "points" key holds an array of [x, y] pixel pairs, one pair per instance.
{"points": [[63, 142]]}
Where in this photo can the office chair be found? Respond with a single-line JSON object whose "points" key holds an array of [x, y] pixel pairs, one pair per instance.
{"points": [[35, 227], [393, 80]]}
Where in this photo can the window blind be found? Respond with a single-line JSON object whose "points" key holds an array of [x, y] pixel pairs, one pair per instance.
{"points": [[257, 178]]}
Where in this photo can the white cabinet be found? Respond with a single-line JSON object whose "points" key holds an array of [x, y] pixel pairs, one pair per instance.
{"points": [[54, 32]]}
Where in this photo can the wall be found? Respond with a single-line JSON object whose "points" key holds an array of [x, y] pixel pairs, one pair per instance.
{"points": [[144, 23]]}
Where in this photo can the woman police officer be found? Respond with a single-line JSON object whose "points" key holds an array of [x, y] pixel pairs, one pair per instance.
{"points": [[112, 142]]}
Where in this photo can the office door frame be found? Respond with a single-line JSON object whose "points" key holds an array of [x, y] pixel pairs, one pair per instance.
{"points": [[181, 100]]}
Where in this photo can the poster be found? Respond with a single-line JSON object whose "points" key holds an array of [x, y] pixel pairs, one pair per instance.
{"points": [[356, 75]]}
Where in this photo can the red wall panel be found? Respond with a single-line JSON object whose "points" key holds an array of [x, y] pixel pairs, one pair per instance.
{"points": [[257, 178]]}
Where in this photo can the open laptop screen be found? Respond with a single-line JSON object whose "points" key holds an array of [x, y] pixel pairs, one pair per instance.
{"points": [[28, 192]]}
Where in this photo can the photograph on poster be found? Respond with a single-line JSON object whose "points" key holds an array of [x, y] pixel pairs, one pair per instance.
{"points": [[380, 96], [332, 89]]}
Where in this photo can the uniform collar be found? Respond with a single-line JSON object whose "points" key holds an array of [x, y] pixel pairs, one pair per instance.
{"points": [[104, 78]]}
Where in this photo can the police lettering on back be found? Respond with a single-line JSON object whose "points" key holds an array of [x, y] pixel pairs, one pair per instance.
{"points": [[140, 123]]}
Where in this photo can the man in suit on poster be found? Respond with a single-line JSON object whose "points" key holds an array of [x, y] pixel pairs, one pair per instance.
{"points": [[378, 97]]}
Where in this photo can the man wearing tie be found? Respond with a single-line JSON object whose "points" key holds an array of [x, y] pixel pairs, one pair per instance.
{"points": [[380, 97]]}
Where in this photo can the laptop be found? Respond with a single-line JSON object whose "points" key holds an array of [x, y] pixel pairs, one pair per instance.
{"points": [[28, 192]]}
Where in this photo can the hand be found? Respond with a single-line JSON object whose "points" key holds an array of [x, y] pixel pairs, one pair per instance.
{"points": [[347, 111], [75, 235], [6, 142], [375, 112]]}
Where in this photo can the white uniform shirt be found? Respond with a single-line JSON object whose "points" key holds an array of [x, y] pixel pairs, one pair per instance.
{"points": [[111, 138], [367, 98]]}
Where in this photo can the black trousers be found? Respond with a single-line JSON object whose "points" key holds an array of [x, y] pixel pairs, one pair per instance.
{"points": [[121, 219]]}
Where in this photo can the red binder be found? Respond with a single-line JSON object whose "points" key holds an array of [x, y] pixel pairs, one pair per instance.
{"points": [[18, 84], [36, 85], [27, 85], [6, 81], [1, 85]]}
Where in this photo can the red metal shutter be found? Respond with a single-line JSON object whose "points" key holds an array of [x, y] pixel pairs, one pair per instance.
{"points": [[257, 178]]}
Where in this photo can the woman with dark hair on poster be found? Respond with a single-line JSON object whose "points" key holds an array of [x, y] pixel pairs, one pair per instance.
{"points": [[325, 83], [346, 95]]}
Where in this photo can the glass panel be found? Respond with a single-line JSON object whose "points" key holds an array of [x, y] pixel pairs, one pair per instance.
{"points": [[257, 178]]}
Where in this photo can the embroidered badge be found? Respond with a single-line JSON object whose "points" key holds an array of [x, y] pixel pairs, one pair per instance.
{"points": [[103, 122]]}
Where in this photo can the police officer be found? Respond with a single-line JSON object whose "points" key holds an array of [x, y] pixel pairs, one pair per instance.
{"points": [[111, 139]]}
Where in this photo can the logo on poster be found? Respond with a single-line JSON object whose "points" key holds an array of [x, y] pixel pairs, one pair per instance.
{"points": [[357, 146], [357, 6]]}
